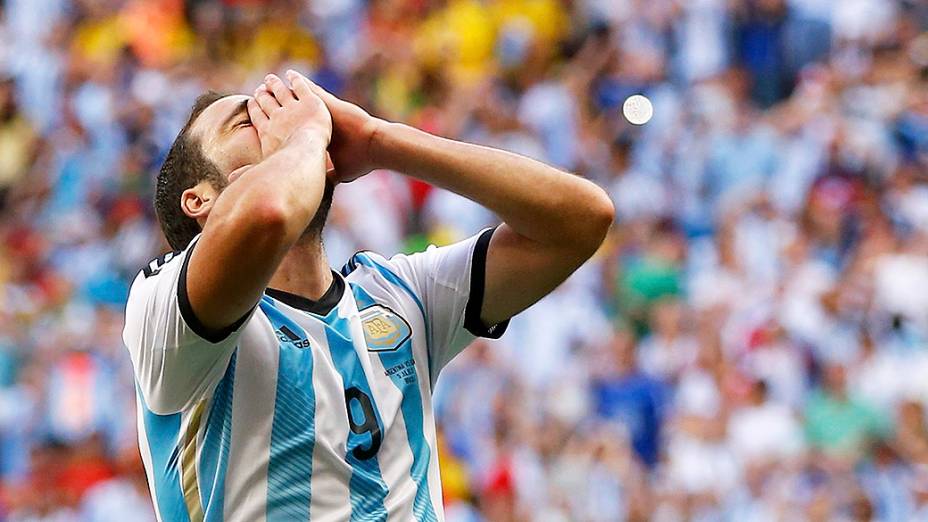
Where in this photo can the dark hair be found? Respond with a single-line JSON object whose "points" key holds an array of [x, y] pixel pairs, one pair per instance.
{"points": [[184, 167]]}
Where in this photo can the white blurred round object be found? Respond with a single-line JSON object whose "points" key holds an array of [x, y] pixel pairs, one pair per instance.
{"points": [[637, 109]]}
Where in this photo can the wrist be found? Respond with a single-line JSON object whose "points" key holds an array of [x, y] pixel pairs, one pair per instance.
{"points": [[312, 138], [382, 144]]}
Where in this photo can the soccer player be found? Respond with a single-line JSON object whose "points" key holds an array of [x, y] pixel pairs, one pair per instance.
{"points": [[271, 387]]}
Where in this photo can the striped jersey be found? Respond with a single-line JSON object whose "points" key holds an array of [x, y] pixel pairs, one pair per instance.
{"points": [[303, 410]]}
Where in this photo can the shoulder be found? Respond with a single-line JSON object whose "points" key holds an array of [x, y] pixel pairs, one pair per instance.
{"points": [[452, 258], [161, 270], [166, 261], [365, 264], [374, 278], [449, 266], [362, 258], [155, 265]]}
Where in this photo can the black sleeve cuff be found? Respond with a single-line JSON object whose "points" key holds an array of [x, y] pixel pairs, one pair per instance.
{"points": [[186, 311], [478, 272]]}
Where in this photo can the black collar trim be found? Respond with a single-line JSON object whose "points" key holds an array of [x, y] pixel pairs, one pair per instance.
{"points": [[323, 306]]}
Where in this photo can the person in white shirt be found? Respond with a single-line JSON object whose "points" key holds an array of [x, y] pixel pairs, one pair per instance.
{"points": [[271, 387]]}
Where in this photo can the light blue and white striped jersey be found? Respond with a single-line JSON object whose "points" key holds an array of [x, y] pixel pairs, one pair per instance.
{"points": [[303, 410]]}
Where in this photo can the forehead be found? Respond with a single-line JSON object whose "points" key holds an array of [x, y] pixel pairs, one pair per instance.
{"points": [[207, 124]]}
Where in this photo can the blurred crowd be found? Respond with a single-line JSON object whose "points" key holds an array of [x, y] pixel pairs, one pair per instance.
{"points": [[751, 343]]}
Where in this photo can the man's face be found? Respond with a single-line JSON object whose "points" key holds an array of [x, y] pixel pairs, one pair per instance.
{"points": [[231, 142], [226, 134]]}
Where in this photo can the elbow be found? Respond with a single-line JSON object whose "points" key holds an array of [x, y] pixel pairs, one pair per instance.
{"points": [[261, 218], [598, 216], [602, 214], [252, 224], [587, 214], [269, 220]]}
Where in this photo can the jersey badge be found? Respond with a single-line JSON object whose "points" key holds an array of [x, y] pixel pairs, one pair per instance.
{"points": [[384, 329]]}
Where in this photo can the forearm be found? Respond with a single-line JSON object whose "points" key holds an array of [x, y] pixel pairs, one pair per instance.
{"points": [[537, 201], [253, 224], [286, 187]]}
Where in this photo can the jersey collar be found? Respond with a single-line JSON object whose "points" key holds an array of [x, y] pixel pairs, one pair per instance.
{"points": [[323, 306]]}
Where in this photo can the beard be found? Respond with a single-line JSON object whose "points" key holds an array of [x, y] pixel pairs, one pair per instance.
{"points": [[313, 231]]}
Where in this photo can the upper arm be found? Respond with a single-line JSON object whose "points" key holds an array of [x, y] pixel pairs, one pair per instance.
{"points": [[520, 271], [175, 360]]}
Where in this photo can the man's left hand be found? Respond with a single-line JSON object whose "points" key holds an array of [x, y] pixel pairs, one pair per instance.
{"points": [[353, 131]]}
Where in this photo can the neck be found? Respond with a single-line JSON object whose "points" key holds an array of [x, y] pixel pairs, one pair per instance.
{"points": [[304, 271]]}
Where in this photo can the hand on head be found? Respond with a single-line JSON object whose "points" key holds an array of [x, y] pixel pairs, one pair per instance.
{"points": [[277, 111], [280, 112]]}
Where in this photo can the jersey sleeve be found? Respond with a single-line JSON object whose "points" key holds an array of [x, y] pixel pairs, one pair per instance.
{"points": [[450, 282], [176, 360]]}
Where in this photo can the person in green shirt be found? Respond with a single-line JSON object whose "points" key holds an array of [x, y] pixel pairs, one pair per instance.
{"points": [[840, 425]]}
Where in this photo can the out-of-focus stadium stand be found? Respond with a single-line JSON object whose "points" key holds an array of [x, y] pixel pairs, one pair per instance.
{"points": [[750, 345]]}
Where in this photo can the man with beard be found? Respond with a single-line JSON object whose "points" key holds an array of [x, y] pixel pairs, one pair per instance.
{"points": [[271, 387]]}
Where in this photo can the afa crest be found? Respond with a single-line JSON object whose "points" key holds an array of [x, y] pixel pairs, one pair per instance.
{"points": [[384, 329]]}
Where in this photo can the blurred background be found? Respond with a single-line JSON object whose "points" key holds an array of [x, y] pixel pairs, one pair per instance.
{"points": [[751, 344]]}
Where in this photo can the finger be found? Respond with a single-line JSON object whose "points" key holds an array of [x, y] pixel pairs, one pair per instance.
{"points": [[266, 100], [315, 89], [258, 118], [300, 85], [283, 93]]}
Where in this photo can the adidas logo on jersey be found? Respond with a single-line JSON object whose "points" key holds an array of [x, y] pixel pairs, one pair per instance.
{"points": [[286, 335]]}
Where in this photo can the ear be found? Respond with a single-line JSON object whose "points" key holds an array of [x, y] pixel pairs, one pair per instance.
{"points": [[197, 201]]}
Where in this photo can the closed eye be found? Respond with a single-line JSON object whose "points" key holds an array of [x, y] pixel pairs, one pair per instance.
{"points": [[244, 123]]}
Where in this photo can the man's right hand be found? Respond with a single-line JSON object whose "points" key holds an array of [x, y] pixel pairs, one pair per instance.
{"points": [[282, 113]]}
